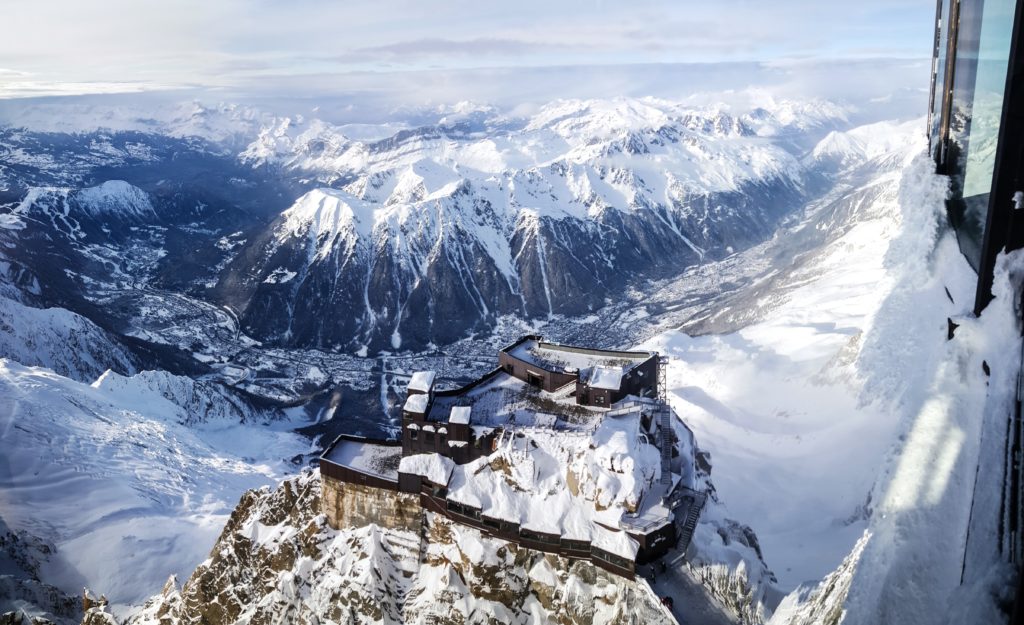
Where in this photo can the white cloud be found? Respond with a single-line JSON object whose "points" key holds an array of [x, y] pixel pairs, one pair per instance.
{"points": [[253, 44], [36, 89]]}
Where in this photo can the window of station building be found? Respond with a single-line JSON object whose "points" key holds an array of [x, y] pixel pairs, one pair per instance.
{"points": [[980, 61], [989, 88], [938, 91]]}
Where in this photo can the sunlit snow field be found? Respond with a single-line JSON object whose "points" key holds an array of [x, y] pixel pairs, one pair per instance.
{"points": [[802, 410]]}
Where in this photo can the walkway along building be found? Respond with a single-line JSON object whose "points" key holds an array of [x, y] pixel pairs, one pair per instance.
{"points": [[543, 401]]}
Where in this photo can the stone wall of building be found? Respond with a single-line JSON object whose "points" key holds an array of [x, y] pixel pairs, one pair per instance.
{"points": [[356, 505]]}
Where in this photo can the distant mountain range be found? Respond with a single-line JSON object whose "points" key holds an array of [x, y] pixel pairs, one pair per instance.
{"points": [[315, 239]]}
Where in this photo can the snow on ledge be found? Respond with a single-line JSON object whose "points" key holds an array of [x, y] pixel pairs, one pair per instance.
{"points": [[434, 467], [422, 381], [417, 404], [460, 415]]}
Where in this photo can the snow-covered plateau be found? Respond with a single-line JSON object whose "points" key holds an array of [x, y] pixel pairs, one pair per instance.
{"points": [[192, 304]]}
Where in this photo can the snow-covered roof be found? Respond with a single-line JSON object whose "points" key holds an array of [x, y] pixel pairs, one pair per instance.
{"points": [[612, 468], [609, 378], [367, 457], [460, 414], [502, 399], [435, 467], [555, 357], [417, 403], [480, 431], [422, 381]]}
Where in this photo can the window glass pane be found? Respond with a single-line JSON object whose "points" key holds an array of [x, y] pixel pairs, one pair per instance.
{"points": [[987, 107], [979, 74]]}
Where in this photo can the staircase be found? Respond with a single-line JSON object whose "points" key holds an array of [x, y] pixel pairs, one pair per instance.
{"points": [[690, 522], [664, 415], [674, 498]]}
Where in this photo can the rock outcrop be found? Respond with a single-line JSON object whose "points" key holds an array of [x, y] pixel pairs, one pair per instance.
{"points": [[355, 505], [25, 599], [277, 560]]}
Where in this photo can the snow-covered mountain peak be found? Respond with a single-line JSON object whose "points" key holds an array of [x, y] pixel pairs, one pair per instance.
{"points": [[598, 119], [218, 122], [78, 212], [771, 116], [322, 215], [221, 123], [468, 112], [695, 142], [60, 340], [423, 180], [839, 144], [890, 139], [193, 401], [116, 198]]}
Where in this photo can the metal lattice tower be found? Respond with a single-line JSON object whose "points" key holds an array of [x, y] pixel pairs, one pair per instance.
{"points": [[663, 379], [664, 414]]}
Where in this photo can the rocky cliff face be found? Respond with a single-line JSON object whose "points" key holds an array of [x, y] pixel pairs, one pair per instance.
{"points": [[726, 559], [25, 599], [278, 561], [356, 505], [61, 340], [822, 603]]}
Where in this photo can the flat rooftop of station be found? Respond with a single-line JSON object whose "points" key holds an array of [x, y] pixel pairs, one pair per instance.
{"points": [[555, 357], [504, 400], [367, 457]]}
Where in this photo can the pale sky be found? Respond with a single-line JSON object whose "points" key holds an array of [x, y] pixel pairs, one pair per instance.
{"points": [[80, 46]]}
